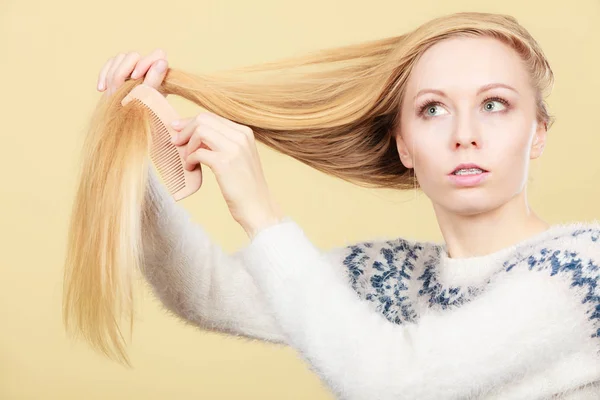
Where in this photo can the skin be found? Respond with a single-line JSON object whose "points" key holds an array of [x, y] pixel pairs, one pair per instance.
{"points": [[464, 127]]}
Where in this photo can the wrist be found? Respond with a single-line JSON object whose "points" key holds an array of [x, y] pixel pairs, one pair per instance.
{"points": [[271, 216]]}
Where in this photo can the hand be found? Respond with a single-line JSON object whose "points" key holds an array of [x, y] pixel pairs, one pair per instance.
{"points": [[119, 68], [229, 150]]}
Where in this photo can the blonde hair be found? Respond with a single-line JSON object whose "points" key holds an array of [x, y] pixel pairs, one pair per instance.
{"points": [[338, 118]]}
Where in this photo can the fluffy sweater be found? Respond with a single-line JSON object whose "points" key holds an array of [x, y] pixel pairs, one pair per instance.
{"points": [[394, 318]]}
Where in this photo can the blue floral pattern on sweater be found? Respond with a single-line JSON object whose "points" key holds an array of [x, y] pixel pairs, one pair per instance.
{"points": [[387, 285], [382, 272]]}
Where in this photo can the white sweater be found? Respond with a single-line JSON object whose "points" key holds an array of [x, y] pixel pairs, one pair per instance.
{"points": [[395, 319]]}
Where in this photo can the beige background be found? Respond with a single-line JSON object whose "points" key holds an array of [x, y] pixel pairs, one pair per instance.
{"points": [[51, 54]]}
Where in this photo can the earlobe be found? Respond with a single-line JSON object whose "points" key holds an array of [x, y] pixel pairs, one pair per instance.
{"points": [[406, 161]]}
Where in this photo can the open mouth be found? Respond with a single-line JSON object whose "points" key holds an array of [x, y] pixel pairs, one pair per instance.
{"points": [[468, 177], [468, 171]]}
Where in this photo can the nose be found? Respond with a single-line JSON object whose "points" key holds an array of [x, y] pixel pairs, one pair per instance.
{"points": [[466, 132]]}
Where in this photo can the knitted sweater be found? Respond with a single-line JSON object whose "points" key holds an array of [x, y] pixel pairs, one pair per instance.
{"points": [[395, 318]]}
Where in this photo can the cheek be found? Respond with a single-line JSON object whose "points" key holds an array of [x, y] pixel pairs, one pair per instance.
{"points": [[509, 140], [429, 146], [429, 159]]}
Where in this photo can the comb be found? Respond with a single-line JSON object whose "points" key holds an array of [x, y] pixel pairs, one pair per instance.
{"points": [[167, 158]]}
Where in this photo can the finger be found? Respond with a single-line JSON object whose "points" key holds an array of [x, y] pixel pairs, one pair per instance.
{"points": [[156, 74], [231, 124], [144, 64], [196, 142], [113, 68], [124, 69], [214, 139], [181, 123], [185, 129], [223, 125], [103, 73], [203, 156]]}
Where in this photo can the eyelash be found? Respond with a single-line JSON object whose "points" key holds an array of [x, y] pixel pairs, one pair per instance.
{"points": [[429, 103]]}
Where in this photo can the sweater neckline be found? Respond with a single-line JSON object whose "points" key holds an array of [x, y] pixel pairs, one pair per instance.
{"points": [[474, 270]]}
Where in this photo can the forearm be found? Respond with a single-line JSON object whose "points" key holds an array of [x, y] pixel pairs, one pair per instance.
{"points": [[193, 277]]}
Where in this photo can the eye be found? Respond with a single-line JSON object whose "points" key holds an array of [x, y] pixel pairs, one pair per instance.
{"points": [[503, 103], [430, 106]]}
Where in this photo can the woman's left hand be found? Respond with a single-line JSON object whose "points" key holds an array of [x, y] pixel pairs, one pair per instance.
{"points": [[229, 150]]}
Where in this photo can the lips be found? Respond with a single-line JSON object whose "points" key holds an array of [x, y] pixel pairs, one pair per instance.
{"points": [[466, 166]]}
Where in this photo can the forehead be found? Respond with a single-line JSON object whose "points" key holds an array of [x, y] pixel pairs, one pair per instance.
{"points": [[465, 64]]}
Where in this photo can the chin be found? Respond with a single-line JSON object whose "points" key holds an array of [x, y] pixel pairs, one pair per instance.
{"points": [[468, 203], [469, 211]]}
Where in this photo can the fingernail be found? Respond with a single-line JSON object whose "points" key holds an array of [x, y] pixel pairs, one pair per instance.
{"points": [[174, 138], [134, 74], [175, 123], [100, 86]]}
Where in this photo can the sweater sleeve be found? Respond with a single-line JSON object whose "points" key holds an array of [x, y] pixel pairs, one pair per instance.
{"points": [[195, 279], [523, 321]]}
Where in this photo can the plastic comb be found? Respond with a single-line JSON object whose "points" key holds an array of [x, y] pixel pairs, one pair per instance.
{"points": [[167, 158]]}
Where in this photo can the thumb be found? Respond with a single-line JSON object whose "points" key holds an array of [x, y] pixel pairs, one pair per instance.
{"points": [[181, 123], [156, 74]]}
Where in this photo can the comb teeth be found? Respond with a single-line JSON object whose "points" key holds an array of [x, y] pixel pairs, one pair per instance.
{"points": [[164, 154], [166, 157]]}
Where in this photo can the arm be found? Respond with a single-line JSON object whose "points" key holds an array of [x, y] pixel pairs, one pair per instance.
{"points": [[523, 321], [195, 279]]}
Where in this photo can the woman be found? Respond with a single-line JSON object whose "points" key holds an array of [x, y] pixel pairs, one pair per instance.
{"points": [[508, 307]]}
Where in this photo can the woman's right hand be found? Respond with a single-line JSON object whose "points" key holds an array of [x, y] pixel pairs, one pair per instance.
{"points": [[124, 65]]}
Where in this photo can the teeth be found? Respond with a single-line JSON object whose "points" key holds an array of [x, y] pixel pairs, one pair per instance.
{"points": [[468, 171]]}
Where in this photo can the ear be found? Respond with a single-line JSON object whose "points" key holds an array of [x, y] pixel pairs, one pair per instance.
{"points": [[405, 156], [539, 141]]}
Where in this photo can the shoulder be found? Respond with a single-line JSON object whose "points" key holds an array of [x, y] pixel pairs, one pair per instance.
{"points": [[383, 253], [380, 271], [565, 248], [569, 253], [383, 262]]}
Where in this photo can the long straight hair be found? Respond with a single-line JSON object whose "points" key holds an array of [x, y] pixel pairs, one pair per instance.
{"points": [[336, 110]]}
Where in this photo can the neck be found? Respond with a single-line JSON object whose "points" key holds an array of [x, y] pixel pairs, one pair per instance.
{"points": [[490, 231]]}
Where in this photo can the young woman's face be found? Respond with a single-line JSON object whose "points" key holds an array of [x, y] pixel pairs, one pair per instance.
{"points": [[494, 128]]}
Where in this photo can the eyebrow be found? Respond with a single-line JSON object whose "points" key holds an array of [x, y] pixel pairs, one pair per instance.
{"points": [[481, 89]]}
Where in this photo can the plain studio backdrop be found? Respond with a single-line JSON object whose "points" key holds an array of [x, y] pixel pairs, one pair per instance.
{"points": [[51, 56]]}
